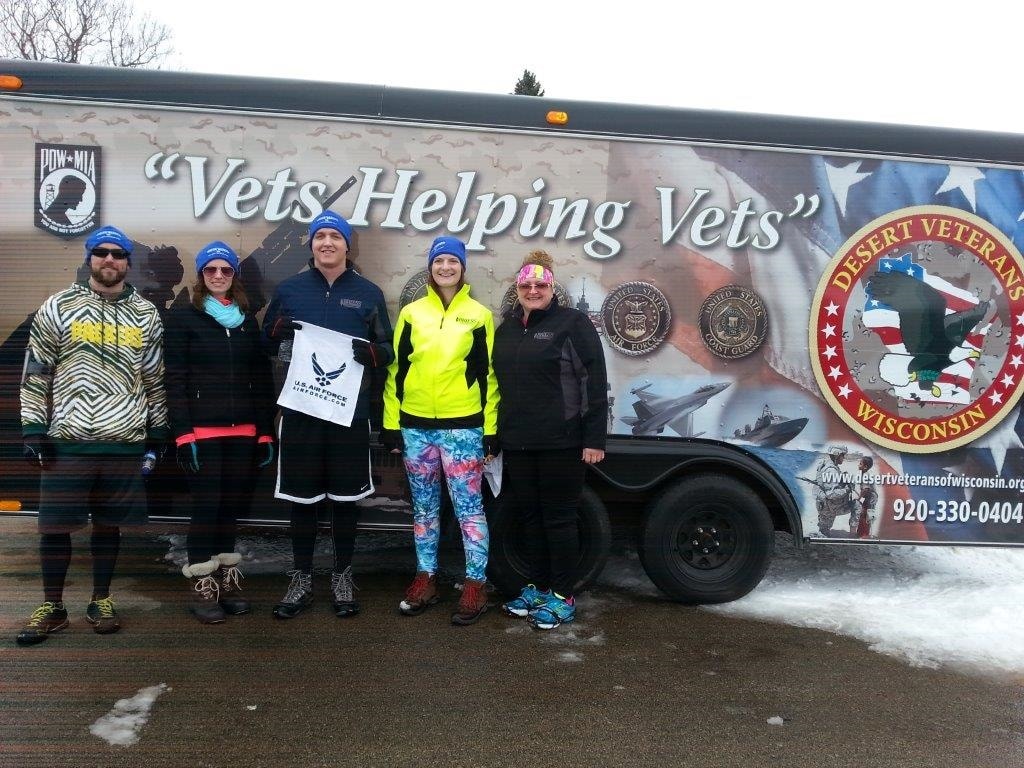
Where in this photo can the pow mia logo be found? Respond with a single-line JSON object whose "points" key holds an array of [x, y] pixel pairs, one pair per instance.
{"points": [[916, 331], [67, 202], [636, 318], [324, 378], [733, 322]]}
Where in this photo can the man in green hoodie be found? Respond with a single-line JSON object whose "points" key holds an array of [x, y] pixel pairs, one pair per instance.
{"points": [[92, 398]]}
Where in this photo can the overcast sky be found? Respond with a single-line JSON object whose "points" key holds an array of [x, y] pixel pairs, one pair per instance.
{"points": [[903, 61]]}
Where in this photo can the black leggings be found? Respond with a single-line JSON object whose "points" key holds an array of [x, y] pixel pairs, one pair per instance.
{"points": [[547, 485], [55, 557], [221, 490], [344, 516]]}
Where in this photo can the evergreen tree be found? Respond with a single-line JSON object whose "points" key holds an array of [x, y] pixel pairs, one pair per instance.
{"points": [[528, 85]]}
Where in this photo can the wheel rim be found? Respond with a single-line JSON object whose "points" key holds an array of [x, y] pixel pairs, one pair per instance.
{"points": [[707, 541]]}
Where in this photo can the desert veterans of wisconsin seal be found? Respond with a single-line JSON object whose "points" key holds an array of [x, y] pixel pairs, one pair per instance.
{"points": [[916, 331]]}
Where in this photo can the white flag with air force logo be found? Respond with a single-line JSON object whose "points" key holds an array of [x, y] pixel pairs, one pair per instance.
{"points": [[323, 380]]}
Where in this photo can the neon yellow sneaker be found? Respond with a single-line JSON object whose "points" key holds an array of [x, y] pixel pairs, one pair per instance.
{"points": [[102, 616], [45, 620]]}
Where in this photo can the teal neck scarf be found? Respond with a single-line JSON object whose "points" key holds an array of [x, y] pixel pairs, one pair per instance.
{"points": [[229, 316]]}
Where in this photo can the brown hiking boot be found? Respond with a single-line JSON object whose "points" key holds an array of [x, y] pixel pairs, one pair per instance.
{"points": [[205, 591], [420, 594], [204, 605], [45, 620], [472, 604], [230, 577]]}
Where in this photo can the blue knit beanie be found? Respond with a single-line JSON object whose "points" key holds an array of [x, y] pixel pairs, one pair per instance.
{"points": [[449, 245], [109, 235], [216, 250], [330, 220]]}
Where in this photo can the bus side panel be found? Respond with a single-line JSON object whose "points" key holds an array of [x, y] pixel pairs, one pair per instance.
{"points": [[854, 322]]}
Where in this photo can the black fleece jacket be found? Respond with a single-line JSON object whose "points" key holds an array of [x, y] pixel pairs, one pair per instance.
{"points": [[552, 380], [215, 376]]}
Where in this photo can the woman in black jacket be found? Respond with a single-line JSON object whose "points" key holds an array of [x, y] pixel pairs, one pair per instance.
{"points": [[552, 420], [220, 402]]}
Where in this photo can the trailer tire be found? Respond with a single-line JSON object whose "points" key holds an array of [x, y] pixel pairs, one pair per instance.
{"points": [[506, 567], [707, 539]]}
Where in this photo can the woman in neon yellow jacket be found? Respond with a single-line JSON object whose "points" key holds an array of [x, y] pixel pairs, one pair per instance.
{"points": [[440, 409]]}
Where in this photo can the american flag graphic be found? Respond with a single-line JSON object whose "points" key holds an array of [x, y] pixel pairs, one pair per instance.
{"points": [[854, 192]]}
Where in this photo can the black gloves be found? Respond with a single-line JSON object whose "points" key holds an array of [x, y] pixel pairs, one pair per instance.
{"points": [[283, 328], [369, 354], [392, 440], [491, 445], [188, 458], [268, 455], [38, 451]]}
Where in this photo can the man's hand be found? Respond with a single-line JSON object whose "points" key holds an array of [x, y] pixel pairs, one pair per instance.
{"points": [[38, 451], [368, 354], [283, 328]]}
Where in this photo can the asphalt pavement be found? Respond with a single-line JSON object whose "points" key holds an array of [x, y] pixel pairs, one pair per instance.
{"points": [[636, 681]]}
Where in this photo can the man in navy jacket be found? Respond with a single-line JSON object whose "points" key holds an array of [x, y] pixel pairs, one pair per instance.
{"points": [[319, 459]]}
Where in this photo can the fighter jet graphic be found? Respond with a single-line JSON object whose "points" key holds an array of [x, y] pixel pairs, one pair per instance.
{"points": [[655, 412]]}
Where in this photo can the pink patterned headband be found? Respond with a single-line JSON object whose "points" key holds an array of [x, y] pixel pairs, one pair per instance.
{"points": [[534, 272]]}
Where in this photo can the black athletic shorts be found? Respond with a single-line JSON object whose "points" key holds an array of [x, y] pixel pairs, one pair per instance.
{"points": [[319, 459], [107, 488]]}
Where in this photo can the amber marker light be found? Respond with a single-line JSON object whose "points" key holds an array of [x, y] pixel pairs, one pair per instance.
{"points": [[557, 118], [10, 83], [10, 505]]}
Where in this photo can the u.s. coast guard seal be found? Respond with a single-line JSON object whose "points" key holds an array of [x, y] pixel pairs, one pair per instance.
{"points": [[916, 331], [733, 322], [636, 318]]}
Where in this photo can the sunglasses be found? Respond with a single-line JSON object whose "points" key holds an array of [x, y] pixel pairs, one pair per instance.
{"points": [[101, 253], [214, 271], [530, 286]]}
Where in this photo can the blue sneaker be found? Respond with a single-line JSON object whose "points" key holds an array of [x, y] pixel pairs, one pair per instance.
{"points": [[528, 599], [553, 612]]}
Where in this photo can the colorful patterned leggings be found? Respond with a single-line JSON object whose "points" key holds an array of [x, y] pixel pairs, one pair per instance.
{"points": [[460, 453]]}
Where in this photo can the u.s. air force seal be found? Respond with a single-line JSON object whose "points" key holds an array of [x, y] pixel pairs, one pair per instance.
{"points": [[917, 329], [636, 318], [733, 322]]}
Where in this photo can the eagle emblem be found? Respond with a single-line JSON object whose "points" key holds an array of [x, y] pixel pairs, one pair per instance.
{"points": [[324, 378]]}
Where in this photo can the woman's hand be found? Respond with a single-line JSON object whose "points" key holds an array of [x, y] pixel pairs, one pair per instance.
{"points": [[592, 455]]}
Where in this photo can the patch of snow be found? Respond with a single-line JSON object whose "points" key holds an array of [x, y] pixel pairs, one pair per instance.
{"points": [[121, 725]]}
